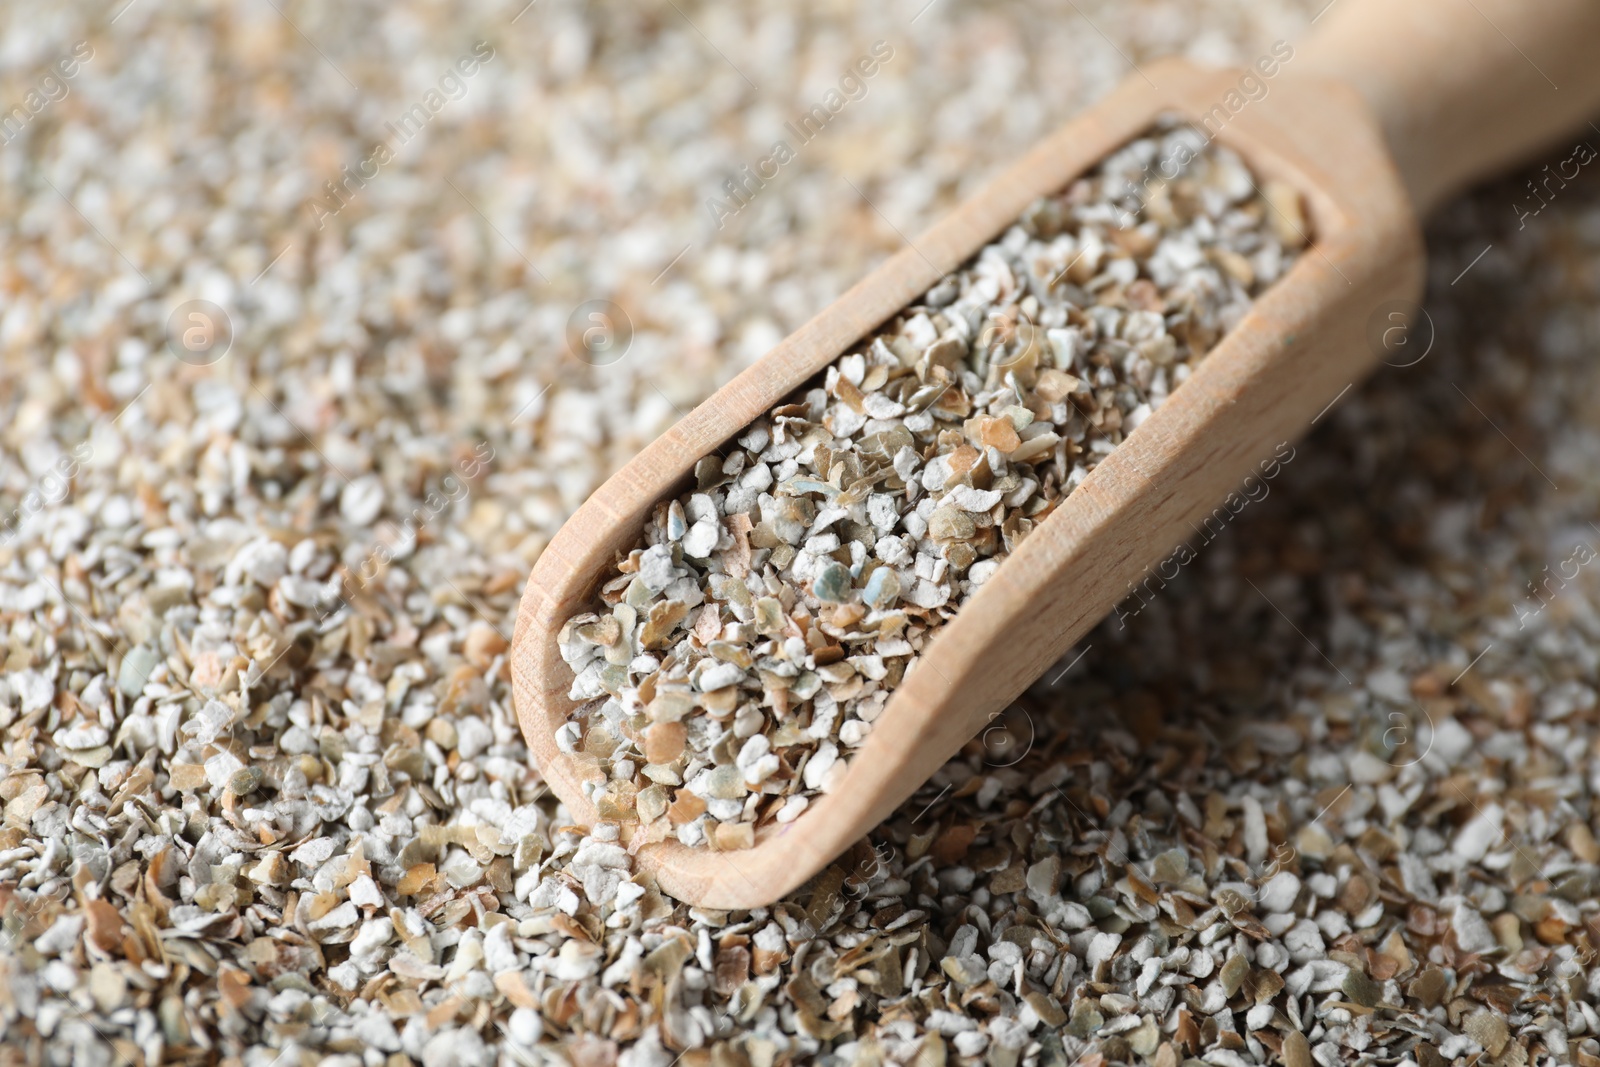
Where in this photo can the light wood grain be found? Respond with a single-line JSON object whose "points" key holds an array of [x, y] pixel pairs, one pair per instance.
{"points": [[1302, 343], [1463, 88]]}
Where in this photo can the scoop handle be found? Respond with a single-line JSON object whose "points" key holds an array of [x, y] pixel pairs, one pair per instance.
{"points": [[1463, 88]]}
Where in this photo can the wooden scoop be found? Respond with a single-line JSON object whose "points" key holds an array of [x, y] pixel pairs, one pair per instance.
{"points": [[1392, 105]]}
